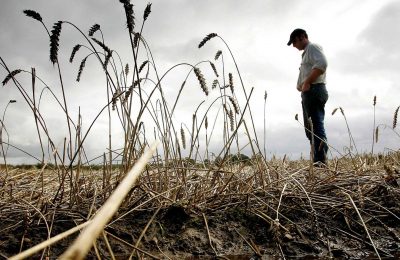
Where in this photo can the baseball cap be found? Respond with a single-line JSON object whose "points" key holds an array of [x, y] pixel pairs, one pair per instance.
{"points": [[296, 33]]}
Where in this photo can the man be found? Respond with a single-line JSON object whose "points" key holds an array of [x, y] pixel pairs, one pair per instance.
{"points": [[311, 84]]}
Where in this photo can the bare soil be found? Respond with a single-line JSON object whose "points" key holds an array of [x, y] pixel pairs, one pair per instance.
{"points": [[235, 233]]}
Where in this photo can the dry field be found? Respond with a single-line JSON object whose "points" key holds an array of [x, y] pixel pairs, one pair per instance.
{"points": [[281, 209], [173, 198]]}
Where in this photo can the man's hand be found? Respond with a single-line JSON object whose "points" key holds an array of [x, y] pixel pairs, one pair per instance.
{"points": [[315, 73], [305, 87]]}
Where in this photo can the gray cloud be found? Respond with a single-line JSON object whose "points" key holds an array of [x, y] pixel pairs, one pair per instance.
{"points": [[377, 49], [382, 28]]}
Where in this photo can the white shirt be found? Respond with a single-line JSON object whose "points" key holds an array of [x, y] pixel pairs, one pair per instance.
{"points": [[313, 57]]}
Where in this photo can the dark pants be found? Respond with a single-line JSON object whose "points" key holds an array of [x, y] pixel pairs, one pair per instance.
{"points": [[313, 102]]}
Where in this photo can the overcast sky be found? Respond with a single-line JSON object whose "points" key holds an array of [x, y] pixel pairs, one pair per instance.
{"points": [[360, 39]]}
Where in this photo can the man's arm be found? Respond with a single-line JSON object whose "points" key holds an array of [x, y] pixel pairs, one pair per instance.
{"points": [[318, 59], [315, 73]]}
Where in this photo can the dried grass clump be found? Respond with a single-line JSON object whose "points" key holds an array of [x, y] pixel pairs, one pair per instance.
{"points": [[342, 199]]}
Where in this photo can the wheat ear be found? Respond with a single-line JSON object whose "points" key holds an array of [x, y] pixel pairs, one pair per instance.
{"points": [[11, 75], [396, 112], [130, 16], [218, 54], [201, 79], [183, 138], [83, 62], [74, 51], [207, 38], [234, 104], [94, 29], [231, 82], [54, 41], [33, 14], [147, 12], [214, 69]]}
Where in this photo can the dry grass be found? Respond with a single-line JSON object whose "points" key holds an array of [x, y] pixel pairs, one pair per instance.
{"points": [[285, 204]]}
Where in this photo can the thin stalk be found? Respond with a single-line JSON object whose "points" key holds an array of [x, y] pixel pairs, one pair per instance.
{"points": [[34, 113], [373, 129], [363, 223], [244, 90]]}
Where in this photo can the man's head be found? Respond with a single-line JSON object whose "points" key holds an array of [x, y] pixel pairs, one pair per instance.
{"points": [[298, 38]]}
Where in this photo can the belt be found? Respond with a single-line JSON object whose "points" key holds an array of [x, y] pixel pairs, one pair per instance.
{"points": [[317, 84]]}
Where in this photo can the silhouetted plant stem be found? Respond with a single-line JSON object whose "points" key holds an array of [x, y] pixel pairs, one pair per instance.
{"points": [[29, 101], [244, 90], [3, 127], [169, 123], [265, 129], [234, 133], [35, 111], [373, 129]]}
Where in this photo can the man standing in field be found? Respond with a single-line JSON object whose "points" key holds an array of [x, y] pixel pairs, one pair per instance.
{"points": [[311, 84]]}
